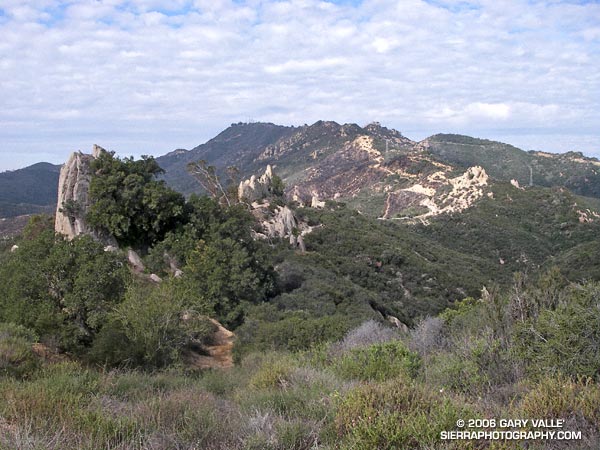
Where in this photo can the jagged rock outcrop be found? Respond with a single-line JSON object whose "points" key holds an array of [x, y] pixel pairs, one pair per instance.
{"points": [[254, 188], [276, 221], [280, 223], [516, 184], [73, 198], [316, 203]]}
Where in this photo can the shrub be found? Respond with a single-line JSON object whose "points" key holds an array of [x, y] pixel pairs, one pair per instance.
{"points": [[395, 414], [294, 331], [274, 373], [565, 339], [560, 397], [368, 333], [427, 336], [296, 435], [17, 358], [148, 323], [378, 362], [448, 370]]}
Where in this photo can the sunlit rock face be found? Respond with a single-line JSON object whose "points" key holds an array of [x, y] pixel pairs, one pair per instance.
{"points": [[73, 197]]}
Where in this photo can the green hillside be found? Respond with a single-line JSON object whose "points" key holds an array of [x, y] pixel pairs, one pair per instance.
{"points": [[96, 355], [237, 146], [31, 190], [504, 162]]}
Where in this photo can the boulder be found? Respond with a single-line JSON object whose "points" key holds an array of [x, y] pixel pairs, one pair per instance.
{"points": [[155, 278], [135, 261]]}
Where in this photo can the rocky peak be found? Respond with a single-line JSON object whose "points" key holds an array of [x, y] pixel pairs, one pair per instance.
{"points": [[377, 130]]}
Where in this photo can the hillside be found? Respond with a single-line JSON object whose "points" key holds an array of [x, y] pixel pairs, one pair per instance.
{"points": [[30, 190], [523, 229], [343, 330], [239, 145], [379, 171], [505, 162]]}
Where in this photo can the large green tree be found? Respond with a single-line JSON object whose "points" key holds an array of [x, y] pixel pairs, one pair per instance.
{"points": [[61, 289], [130, 203]]}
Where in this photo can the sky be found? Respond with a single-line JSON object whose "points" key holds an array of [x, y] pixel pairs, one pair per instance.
{"points": [[149, 76]]}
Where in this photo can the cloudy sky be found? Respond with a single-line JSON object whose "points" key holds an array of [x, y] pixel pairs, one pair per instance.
{"points": [[149, 76]]}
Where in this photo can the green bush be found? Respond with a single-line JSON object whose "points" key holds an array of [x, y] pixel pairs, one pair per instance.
{"points": [[129, 203], [274, 373], [290, 330], [61, 289], [558, 397], [447, 370], [378, 362], [395, 414], [565, 339], [148, 325]]}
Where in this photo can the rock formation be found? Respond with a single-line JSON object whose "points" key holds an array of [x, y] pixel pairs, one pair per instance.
{"points": [[436, 194], [516, 184], [255, 189], [73, 201], [73, 198], [218, 354], [135, 262], [277, 221]]}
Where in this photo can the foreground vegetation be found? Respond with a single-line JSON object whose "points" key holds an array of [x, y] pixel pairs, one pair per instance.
{"points": [[527, 354], [92, 354]]}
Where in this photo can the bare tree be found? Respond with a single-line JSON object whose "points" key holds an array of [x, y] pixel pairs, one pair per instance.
{"points": [[207, 177]]}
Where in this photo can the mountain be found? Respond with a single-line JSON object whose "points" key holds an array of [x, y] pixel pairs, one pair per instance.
{"points": [[572, 170], [465, 195], [239, 145], [377, 170], [30, 190]]}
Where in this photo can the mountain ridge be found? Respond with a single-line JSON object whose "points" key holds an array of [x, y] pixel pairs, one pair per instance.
{"points": [[30, 190], [374, 169], [377, 170]]}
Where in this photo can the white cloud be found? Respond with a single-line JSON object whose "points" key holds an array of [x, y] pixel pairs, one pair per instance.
{"points": [[496, 111], [171, 74]]}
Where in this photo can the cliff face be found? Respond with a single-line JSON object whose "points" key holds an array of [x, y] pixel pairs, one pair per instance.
{"points": [[73, 200], [73, 197]]}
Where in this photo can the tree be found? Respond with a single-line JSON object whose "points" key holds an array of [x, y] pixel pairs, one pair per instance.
{"points": [[129, 203], [209, 180], [61, 289]]}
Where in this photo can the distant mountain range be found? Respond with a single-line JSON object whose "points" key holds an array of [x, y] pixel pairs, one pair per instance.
{"points": [[374, 169], [31, 190], [377, 170]]}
